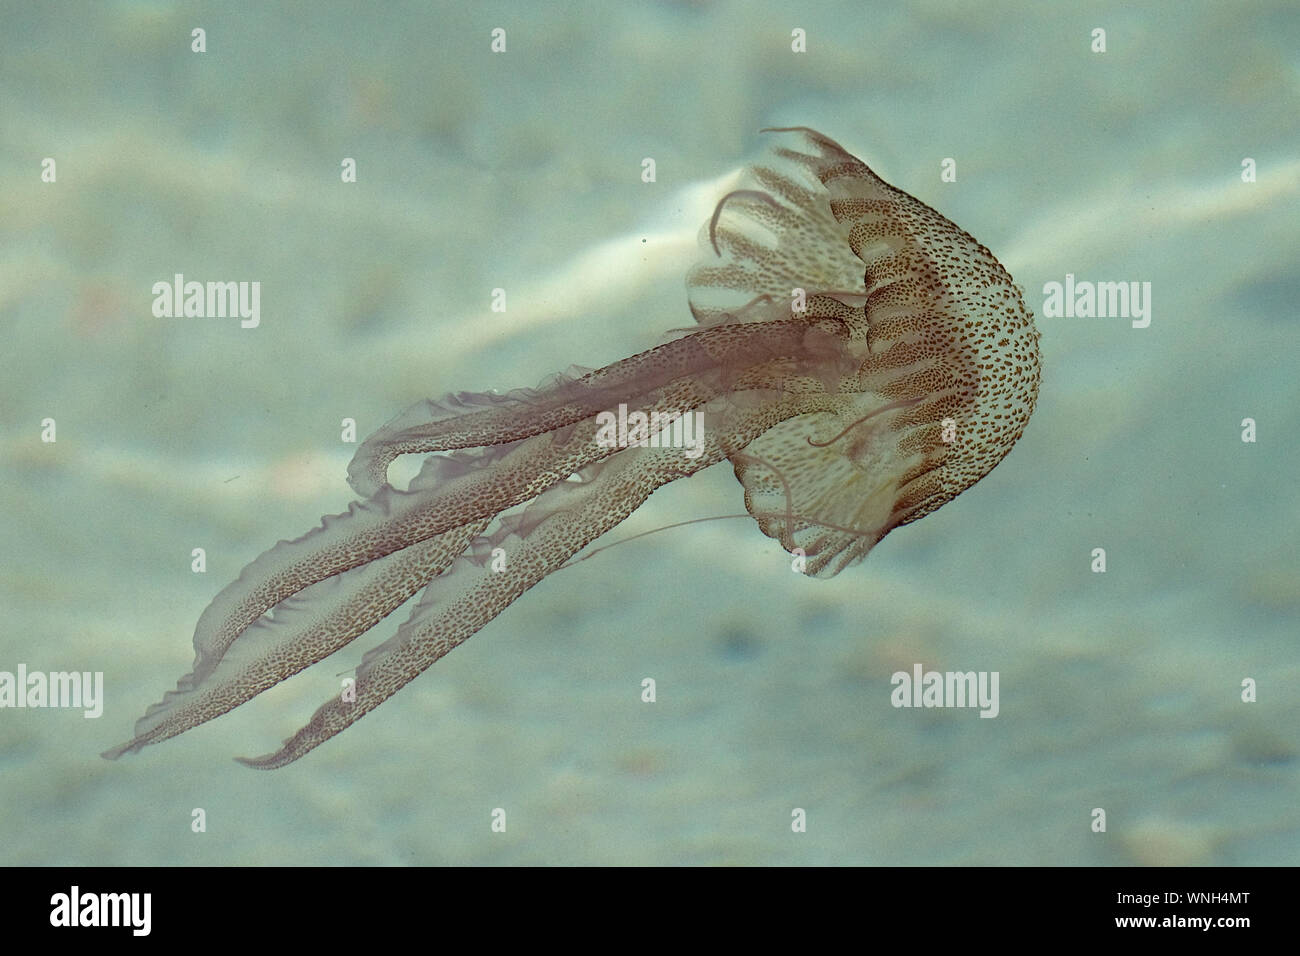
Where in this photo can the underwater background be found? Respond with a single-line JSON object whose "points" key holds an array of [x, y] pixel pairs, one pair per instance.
{"points": [[522, 170]]}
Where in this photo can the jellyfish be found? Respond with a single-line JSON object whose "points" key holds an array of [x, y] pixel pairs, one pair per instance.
{"points": [[859, 360]]}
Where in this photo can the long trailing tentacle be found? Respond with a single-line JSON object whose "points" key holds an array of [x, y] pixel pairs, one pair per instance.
{"points": [[305, 599], [523, 455]]}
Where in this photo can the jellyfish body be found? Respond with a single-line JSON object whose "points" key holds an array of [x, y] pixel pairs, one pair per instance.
{"points": [[859, 359]]}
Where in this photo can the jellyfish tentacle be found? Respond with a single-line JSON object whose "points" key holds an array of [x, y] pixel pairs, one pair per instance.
{"points": [[331, 585]]}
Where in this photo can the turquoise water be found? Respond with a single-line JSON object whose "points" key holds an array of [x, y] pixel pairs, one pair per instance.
{"points": [[522, 170]]}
